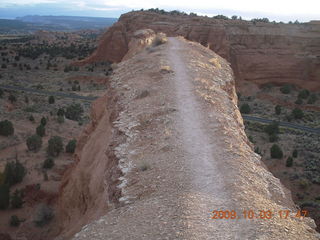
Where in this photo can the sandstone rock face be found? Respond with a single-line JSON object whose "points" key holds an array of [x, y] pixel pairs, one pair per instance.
{"points": [[260, 53]]}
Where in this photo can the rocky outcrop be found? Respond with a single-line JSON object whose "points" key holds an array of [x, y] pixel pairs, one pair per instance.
{"points": [[258, 52]]}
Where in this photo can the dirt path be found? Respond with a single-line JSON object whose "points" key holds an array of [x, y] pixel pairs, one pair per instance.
{"points": [[187, 132], [208, 189]]}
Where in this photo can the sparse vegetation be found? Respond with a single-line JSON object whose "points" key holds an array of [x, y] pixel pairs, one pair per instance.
{"points": [[48, 163], [14, 172], [34, 142], [17, 199], [41, 130], [297, 113], [4, 196], [71, 146], [43, 121], [304, 94], [272, 128], [286, 89], [295, 153], [6, 128], [289, 162], [245, 108], [51, 100], [74, 112], [55, 146], [276, 152], [277, 109]]}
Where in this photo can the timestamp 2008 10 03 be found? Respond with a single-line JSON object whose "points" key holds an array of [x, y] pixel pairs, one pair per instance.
{"points": [[260, 214]]}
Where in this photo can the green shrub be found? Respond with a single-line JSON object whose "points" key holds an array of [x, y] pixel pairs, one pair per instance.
{"points": [[43, 121], [304, 183], [6, 128], [48, 163], [51, 100], [14, 172], [277, 109], [17, 199], [4, 196], [295, 153], [41, 130], [272, 128], [276, 151], [273, 137], [74, 112], [44, 214], [60, 112], [31, 118], [1, 93], [245, 108], [55, 146], [14, 221], [304, 94], [257, 150], [12, 98], [34, 142], [286, 89], [312, 99], [71, 146], [297, 113], [289, 162]]}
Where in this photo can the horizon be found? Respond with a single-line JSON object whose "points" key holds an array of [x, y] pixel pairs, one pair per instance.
{"points": [[284, 11]]}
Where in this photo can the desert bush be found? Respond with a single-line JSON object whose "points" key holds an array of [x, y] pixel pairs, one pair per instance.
{"points": [[276, 152], [273, 137], [43, 121], [16, 199], [31, 118], [12, 98], [60, 112], [277, 109], [41, 130], [14, 221], [74, 112], [245, 108], [6, 128], [1, 93], [71, 146], [55, 146], [286, 89], [304, 94], [289, 162], [312, 99], [297, 113], [14, 172], [295, 153], [48, 163], [44, 214], [51, 100], [4, 196], [272, 128], [257, 150], [3, 65], [34, 142]]}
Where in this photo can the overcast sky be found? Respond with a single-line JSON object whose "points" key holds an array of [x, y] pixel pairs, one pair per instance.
{"points": [[279, 10]]}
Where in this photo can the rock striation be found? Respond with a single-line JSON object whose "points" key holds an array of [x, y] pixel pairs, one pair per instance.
{"points": [[258, 52]]}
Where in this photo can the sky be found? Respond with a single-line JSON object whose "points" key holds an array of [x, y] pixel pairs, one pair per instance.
{"points": [[278, 10]]}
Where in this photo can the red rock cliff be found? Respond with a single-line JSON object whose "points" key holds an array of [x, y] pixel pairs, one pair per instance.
{"points": [[260, 53]]}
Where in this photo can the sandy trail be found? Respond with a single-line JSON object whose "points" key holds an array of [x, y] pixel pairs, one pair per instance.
{"points": [[207, 190]]}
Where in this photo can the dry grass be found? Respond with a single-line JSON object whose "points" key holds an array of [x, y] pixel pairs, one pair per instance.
{"points": [[160, 38], [215, 62]]}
